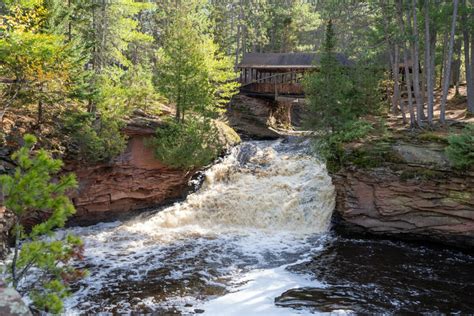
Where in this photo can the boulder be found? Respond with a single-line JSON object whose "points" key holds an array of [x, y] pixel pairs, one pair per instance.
{"points": [[7, 220], [11, 303]]}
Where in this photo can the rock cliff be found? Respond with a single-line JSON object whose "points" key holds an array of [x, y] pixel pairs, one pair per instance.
{"points": [[415, 195], [259, 118], [135, 180], [132, 181]]}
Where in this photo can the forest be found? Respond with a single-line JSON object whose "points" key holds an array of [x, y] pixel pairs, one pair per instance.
{"points": [[74, 73]]}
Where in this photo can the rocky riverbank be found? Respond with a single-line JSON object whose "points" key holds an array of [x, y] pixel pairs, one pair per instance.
{"points": [[133, 181], [258, 118], [400, 187], [407, 191]]}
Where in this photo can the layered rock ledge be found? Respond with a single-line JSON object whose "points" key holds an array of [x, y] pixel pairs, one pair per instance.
{"points": [[415, 195], [134, 180]]}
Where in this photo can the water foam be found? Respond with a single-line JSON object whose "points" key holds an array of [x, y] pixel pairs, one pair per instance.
{"points": [[257, 211]]}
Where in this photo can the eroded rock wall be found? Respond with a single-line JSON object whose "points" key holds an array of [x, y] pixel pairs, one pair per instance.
{"points": [[418, 199], [134, 180], [260, 118]]}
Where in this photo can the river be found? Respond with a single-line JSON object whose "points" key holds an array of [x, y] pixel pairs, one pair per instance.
{"points": [[255, 239]]}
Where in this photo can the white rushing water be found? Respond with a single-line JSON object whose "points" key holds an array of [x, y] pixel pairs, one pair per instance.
{"points": [[224, 249]]}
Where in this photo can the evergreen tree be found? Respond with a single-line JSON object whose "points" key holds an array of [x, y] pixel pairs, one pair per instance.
{"points": [[40, 267], [192, 73], [198, 79], [328, 90]]}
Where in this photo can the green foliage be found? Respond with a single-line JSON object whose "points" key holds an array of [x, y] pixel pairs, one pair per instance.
{"points": [[366, 90], [373, 155], [188, 145], [120, 92], [41, 266], [433, 137], [264, 25], [39, 64], [191, 72], [338, 97], [331, 146], [460, 150], [328, 91], [93, 140]]}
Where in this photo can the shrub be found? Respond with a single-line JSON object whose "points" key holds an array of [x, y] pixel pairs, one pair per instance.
{"points": [[331, 146], [460, 150], [93, 140], [188, 145]]}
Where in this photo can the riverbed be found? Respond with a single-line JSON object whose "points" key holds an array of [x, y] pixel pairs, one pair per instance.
{"points": [[256, 239]]}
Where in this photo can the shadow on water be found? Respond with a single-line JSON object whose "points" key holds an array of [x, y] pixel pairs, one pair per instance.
{"points": [[378, 276]]}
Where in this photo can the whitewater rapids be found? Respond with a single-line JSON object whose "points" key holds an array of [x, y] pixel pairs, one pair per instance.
{"points": [[222, 251]]}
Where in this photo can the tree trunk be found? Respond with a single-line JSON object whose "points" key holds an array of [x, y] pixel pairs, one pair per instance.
{"points": [[444, 97], [443, 66], [15, 255], [407, 67], [394, 51], [456, 65], [416, 68], [433, 38], [396, 85], [468, 50], [428, 64], [239, 35]]}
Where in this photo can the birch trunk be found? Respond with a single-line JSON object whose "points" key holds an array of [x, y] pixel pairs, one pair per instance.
{"points": [[443, 65], [396, 85], [444, 97], [433, 38], [407, 67], [416, 67], [428, 64], [456, 65]]}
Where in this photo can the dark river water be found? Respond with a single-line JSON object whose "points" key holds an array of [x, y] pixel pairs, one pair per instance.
{"points": [[255, 239], [377, 276]]}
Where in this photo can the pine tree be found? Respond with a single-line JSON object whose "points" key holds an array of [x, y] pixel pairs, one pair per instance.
{"points": [[327, 90], [198, 79], [31, 193], [191, 72]]}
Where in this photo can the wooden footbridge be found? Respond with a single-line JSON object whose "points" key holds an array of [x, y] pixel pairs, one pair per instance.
{"points": [[274, 75]]}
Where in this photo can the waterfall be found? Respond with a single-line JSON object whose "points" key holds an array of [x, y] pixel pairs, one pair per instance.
{"points": [[263, 206]]}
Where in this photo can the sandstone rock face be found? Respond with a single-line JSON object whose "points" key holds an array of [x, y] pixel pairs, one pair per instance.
{"points": [[251, 117], [134, 180], [408, 200]]}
